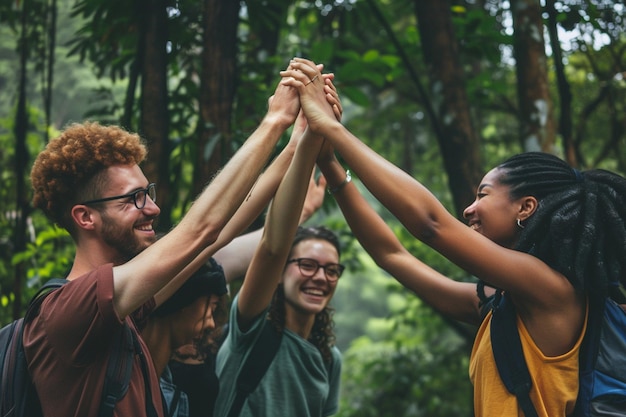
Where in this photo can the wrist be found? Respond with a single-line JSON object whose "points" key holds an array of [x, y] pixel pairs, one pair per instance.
{"points": [[277, 120], [327, 161], [348, 179]]}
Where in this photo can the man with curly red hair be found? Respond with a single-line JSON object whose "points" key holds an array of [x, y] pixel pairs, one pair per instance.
{"points": [[89, 181]]}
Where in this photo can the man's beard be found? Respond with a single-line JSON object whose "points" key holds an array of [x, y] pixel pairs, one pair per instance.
{"points": [[124, 240]]}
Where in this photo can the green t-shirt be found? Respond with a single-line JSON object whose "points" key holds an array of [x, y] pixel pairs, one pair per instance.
{"points": [[297, 384]]}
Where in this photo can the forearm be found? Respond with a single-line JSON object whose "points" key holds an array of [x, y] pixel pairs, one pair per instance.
{"points": [[381, 243], [235, 256], [226, 193], [233, 251], [281, 223], [176, 252], [408, 200], [258, 198], [286, 207], [367, 226], [262, 191]]}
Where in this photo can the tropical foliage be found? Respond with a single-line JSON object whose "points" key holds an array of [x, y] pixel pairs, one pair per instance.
{"points": [[443, 89]]}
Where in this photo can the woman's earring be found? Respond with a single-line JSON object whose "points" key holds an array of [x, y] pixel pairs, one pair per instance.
{"points": [[519, 224]]}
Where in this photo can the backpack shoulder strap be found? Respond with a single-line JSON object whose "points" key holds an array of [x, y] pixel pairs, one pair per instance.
{"points": [[485, 303], [17, 393], [255, 366], [589, 349], [508, 354], [119, 368], [33, 305], [12, 370]]}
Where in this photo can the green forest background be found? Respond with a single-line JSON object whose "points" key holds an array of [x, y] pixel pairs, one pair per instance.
{"points": [[444, 89]]}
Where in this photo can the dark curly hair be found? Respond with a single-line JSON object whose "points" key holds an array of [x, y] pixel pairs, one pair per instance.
{"points": [[579, 227], [322, 335], [69, 168]]}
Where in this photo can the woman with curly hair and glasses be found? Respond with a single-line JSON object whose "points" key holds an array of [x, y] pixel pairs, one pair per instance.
{"points": [[288, 286]]}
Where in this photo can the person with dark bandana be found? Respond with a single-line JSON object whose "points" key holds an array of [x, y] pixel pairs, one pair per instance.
{"points": [[181, 320]]}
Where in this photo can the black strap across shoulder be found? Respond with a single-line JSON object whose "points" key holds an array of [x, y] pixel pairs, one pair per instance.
{"points": [[18, 388], [255, 366], [33, 306], [508, 353], [119, 366], [118, 371]]}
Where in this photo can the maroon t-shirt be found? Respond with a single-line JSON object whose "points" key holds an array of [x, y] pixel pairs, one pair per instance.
{"points": [[68, 346]]}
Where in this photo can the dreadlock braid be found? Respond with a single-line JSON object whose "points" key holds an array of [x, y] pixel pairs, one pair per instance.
{"points": [[579, 227]]}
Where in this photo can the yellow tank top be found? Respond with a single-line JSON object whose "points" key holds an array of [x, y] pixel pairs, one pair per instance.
{"points": [[554, 379]]}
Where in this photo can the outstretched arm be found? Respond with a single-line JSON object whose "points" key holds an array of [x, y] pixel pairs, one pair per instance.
{"points": [[380, 242], [147, 273], [236, 256], [421, 212], [254, 204], [546, 301], [281, 223]]}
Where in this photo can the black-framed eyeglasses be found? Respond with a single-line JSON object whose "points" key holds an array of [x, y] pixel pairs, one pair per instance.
{"points": [[139, 197], [309, 267]]}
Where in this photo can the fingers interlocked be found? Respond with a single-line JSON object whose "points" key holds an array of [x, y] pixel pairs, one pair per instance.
{"points": [[311, 80]]}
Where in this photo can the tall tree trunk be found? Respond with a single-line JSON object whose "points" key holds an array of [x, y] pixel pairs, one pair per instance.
{"points": [[217, 88], [565, 126], [266, 20], [536, 120], [47, 93], [457, 139], [21, 160], [129, 97], [154, 104]]}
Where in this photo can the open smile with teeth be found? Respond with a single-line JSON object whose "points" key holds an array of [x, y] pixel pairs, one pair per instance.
{"points": [[474, 226], [146, 227], [314, 292]]}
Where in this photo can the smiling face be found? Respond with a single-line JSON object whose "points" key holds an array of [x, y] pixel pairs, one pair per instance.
{"points": [[494, 214], [125, 228], [307, 296]]}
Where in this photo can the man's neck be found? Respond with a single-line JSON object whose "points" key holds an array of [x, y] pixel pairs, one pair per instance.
{"points": [[88, 259]]}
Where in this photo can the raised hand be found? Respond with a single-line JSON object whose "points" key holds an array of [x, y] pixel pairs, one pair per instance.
{"points": [[318, 100], [284, 104], [332, 96], [314, 197]]}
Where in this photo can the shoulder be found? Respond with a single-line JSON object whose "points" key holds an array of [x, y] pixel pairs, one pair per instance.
{"points": [[236, 336], [336, 359], [336, 354]]}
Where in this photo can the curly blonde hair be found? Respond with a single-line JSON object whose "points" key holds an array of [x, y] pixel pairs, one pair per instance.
{"points": [[69, 168]]}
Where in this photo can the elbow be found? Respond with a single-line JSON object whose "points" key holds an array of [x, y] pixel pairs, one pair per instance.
{"points": [[212, 233], [274, 249], [427, 231], [205, 235], [422, 221], [390, 258]]}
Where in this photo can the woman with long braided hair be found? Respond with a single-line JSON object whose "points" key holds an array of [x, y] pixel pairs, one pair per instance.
{"points": [[546, 235], [579, 226]]}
